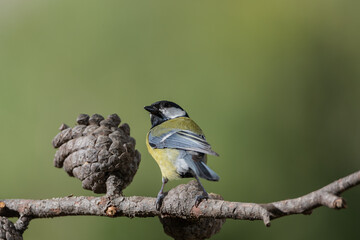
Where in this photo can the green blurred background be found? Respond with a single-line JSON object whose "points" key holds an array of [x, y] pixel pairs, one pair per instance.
{"points": [[273, 84]]}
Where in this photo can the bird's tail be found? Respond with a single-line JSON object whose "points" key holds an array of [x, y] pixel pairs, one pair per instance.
{"points": [[203, 171]]}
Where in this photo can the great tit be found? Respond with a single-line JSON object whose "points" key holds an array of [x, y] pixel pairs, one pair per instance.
{"points": [[178, 145]]}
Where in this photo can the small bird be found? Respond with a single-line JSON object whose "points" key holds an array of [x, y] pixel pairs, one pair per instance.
{"points": [[179, 147]]}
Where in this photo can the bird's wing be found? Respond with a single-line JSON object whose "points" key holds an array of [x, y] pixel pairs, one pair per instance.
{"points": [[181, 139]]}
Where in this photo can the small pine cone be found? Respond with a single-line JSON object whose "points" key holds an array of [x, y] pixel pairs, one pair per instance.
{"points": [[8, 230], [189, 229], [96, 149]]}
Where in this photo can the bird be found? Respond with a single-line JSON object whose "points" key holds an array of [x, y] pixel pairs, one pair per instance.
{"points": [[179, 147]]}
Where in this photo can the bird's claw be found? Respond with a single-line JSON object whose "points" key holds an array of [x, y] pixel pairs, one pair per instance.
{"points": [[199, 198], [159, 201]]}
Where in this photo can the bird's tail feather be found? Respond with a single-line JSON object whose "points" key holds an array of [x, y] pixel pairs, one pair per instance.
{"points": [[204, 171]]}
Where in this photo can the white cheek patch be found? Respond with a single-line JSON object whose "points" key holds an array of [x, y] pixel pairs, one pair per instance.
{"points": [[173, 112]]}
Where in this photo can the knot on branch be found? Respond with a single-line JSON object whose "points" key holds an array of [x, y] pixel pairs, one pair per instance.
{"points": [[8, 230], [183, 226], [111, 211], [98, 152]]}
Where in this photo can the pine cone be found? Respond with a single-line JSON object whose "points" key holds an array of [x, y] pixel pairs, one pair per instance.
{"points": [[189, 229], [8, 230], [96, 149]]}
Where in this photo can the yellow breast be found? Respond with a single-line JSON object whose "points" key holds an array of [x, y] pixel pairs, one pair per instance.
{"points": [[165, 158]]}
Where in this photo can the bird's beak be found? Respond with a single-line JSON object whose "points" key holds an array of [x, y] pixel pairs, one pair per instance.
{"points": [[150, 109], [153, 110]]}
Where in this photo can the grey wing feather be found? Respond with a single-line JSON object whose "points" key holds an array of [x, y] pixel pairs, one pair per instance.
{"points": [[182, 139]]}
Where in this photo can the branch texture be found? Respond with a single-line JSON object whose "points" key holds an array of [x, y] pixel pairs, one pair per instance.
{"points": [[179, 203]]}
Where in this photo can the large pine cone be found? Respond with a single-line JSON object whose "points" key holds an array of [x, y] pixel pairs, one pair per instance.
{"points": [[96, 149], [189, 229]]}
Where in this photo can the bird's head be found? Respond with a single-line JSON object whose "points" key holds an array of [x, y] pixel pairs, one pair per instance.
{"points": [[162, 111]]}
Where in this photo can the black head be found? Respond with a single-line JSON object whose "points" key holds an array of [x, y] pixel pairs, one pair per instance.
{"points": [[162, 111]]}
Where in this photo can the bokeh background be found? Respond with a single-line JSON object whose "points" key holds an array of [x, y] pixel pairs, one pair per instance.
{"points": [[274, 85]]}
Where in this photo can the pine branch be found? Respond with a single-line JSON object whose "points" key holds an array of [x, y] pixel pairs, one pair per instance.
{"points": [[179, 203], [102, 155]]}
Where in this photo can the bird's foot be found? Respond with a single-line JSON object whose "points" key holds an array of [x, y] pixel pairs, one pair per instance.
{"points": [[199, 198], [159, 200]]}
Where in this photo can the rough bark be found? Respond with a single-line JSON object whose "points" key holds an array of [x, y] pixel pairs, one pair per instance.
{"points": [[179, 203]]}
